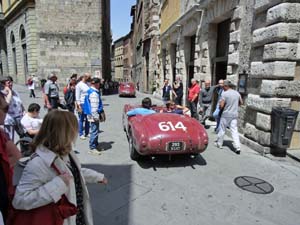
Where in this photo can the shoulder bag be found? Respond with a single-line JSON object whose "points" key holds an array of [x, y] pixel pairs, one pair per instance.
{"points": [[102, 116]]}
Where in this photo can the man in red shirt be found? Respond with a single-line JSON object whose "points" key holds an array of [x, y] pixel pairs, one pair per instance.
{"points": [[194, 91]]}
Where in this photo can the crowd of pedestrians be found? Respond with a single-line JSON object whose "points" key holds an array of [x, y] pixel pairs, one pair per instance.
{"points": [[219, 102], [52, 169]]}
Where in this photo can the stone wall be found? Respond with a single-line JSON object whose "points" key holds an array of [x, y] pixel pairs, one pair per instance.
{"points": [[62, 36], [274, 77], [68, 53], [69, 36]]}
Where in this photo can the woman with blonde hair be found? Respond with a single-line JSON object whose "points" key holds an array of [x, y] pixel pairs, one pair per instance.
{"points": [[40, 185]]}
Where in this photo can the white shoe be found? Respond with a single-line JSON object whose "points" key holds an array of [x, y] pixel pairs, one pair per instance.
{"points": [[82, 137], [94, 152]]}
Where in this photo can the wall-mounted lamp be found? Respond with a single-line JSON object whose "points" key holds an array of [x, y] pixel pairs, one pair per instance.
{"points": [[242, 84]]}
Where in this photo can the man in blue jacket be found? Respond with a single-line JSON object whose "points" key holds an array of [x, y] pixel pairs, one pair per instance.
{"points": [[93, 107]]}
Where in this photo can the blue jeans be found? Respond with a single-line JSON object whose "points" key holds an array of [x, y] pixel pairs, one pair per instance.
{"points": [[94, 135], [83, 120]]}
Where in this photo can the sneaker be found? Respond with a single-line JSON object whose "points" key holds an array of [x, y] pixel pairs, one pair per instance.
{"points": [[88, 136], [94, 152], [82, 137], [218, 145], [238, 151]]}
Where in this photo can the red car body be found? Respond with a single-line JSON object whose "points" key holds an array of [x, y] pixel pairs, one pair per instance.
{"points": [[163, 134], [127, 89]]}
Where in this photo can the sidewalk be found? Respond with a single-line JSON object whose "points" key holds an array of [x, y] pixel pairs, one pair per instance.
{"points": [[293, 154]]}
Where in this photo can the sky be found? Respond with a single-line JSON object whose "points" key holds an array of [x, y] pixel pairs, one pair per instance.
{"points": [[120, 17]]}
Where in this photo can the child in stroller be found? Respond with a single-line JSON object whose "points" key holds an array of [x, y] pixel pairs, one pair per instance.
{"points": [[31, 123]]}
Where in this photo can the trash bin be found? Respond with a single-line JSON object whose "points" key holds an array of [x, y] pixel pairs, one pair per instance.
{"points": [[282, 126]]}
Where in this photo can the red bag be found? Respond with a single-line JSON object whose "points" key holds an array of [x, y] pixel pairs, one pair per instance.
{"points": [[29, 82], [65, 90], [51, 214]]}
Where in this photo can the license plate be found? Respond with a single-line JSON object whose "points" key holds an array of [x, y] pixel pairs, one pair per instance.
{"points": [[175, 146]]}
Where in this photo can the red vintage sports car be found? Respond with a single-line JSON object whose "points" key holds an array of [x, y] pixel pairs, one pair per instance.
{"points": [[127, 89], [163, 134]]}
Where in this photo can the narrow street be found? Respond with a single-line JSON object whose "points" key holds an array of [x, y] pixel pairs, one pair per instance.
{"points": [[236, 59], [184, 191]]}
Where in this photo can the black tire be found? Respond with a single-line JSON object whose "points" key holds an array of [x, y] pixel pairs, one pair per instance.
{"points": [[134, 155]]}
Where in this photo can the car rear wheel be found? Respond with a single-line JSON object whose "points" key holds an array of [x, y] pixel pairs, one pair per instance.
{"points": [[134, 155]]}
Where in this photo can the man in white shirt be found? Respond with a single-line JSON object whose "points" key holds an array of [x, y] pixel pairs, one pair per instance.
{"points": [[80, 92]]}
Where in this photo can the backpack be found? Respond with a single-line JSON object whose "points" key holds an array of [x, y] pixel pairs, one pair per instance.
{"points": [[53, 90], [69, 97]]}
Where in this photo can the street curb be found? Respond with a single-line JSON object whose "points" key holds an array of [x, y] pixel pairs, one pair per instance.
{"points": [[292, 155]]}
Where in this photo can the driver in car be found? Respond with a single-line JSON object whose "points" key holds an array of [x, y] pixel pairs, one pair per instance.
{"points": [[144, 110]]}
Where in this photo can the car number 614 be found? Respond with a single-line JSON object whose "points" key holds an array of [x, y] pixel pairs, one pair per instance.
{"points": [[166, 126]]}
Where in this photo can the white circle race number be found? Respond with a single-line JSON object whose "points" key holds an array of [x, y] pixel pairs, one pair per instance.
{"points": [[167, 126]]}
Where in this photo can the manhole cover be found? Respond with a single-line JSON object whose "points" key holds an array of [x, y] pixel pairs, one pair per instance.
{"points": [[254, 185]]}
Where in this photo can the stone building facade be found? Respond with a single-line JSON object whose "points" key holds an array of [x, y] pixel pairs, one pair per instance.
{"points": [[112, 56], [253, 43], [62, 36], [145, 43], [128, 55], [118, 59]]}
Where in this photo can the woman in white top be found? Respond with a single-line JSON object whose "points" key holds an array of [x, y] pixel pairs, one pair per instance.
{"points": [[40, 185], [31, 86]]}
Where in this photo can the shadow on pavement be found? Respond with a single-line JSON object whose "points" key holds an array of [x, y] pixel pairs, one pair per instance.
{"points": [[175, 161], [106, 145], [230, 145], [110, 203]]}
